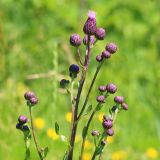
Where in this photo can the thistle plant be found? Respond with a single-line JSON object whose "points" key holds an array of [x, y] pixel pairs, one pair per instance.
{"points": [[78, 75]]}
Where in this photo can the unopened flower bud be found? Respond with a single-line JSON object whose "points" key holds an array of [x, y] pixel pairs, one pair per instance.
{"points": [[90, 25], [100, 33], [102, 88], [95, 133], [64, 83], [111, 47], [111, 88], [106, 54], [85, 40], [101, 99], [107, 123], [74, 70], [124, 106], [110, 132], [33, 101], [18, 126], [29, 95], [75, 40], [103, 142], [22, 119], [99, 58], [25, 128], [119, 99]]}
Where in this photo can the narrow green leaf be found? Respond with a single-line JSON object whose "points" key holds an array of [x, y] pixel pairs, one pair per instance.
{"points": [[84, 132], [89, 108], [56, 128]]}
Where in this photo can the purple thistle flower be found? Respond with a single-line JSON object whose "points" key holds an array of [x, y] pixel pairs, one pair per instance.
{"points": [[22, 119], [107, 123], [33, 100], [124, 106], [100, 33], [85, 40], [99, 58], [95, 133], [101, 99], [110, 132], [111, 47], [90, 25], [102, 88], [111, 88], [106, 54], [75, 40], [119, 99], [29, 95]]}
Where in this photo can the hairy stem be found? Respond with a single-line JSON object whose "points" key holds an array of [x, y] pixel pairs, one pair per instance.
{"points": [[34, 137]]}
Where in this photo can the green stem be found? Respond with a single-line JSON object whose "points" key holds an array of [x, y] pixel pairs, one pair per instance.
{"points": [[33, 133], [90, 89], [84, 138]]}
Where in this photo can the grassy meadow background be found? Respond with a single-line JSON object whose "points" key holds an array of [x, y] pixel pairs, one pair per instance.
{"points": [[35, 54]]}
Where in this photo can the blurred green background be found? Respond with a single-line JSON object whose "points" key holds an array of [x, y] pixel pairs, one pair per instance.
{"points": [[35, 54]]}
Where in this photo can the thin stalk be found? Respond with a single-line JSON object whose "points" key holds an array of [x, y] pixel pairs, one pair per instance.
{"points": [[75, 116], [34, 137], [84, 138], [90, 89]]}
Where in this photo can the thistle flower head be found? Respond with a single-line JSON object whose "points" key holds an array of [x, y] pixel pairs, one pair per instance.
{"points": [[28, 95], [75, 40], [95, 133], [107, 123], [119, 99], [124, 106], [101, 99], [106, 54], [100, 33], [90, 25], [33, 100], [111, 88], [102, 88], [99, 58], [22, 119], [110, 132], [111, 47]]}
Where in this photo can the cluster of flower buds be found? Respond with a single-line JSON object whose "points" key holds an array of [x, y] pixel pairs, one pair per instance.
{"points": [[110, 49], [110, 88], [120, 100], [22, 120], [107, 125], [31, 98], [92, 32]]}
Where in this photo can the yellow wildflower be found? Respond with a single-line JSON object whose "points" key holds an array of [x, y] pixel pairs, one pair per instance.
{"points": [[87, 144], [86, 156], [152, 153], [119, 155], [68, 117], [39, 123], [52, 134], [100, 116]]}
